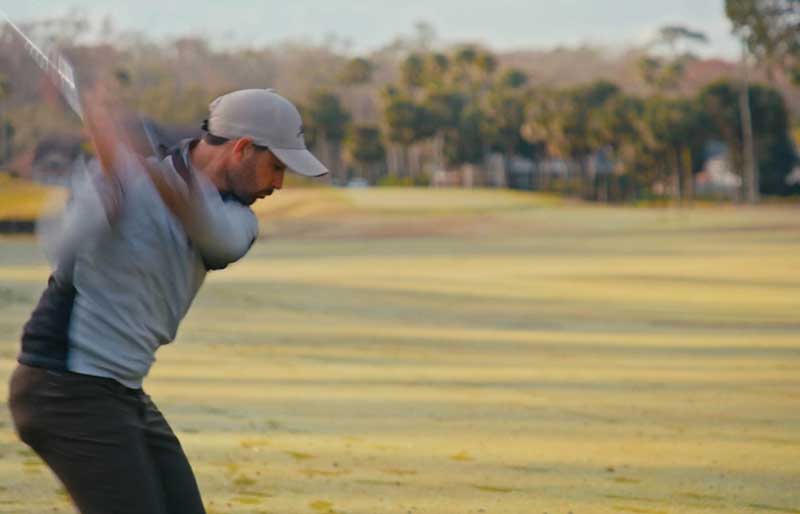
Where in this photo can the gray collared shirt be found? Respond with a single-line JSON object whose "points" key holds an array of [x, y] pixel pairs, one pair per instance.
{"points": [[136, 277]]}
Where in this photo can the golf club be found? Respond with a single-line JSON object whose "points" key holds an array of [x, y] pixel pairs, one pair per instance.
{"points": [[56, 66]]}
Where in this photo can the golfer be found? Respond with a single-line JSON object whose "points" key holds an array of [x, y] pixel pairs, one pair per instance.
{"points": [[132, 250]]}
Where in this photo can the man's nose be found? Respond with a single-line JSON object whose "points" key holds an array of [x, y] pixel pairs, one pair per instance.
{"points": [[277, 180]]}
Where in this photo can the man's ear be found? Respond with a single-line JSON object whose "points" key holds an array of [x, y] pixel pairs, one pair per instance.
{"points": [[240, 147]]}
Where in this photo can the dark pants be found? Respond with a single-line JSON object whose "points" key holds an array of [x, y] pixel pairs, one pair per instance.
{"points": [[109, 445]]}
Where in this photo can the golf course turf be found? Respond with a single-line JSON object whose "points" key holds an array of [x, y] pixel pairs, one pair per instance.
{"points": [[452, 352]]}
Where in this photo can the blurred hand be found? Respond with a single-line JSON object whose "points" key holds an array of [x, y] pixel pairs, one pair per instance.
{"points": [[107, 138], [101, 124]]}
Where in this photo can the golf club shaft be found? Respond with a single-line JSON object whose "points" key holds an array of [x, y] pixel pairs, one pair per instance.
{"points": [[55, 66]]}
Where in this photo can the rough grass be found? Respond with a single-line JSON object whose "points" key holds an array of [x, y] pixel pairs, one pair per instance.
{"points": [[24, 200], [504, 354]]}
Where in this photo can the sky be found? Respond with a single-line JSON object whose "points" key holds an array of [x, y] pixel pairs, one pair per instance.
{"points": [[368, 25]]}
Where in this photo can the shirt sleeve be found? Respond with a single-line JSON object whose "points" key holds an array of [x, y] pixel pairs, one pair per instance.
{"points": [[89, 214], [221, 231]]}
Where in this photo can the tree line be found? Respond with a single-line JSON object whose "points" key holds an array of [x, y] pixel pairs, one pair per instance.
{"points": [[411, 109], [450, 109]]}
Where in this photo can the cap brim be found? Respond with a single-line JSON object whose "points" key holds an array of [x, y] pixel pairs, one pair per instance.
{"points": [[301, 162]]}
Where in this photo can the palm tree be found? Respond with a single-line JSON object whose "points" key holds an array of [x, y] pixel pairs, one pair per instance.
{"points": [[364, 149], [355, 88], [328, 120]]}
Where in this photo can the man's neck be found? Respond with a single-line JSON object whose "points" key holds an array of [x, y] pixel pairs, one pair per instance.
{"points": [[209, 161]]}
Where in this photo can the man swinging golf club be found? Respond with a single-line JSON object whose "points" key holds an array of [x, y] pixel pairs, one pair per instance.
{"points": [[132, 250]]}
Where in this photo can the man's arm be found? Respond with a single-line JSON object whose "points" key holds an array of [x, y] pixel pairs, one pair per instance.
{"points": [[97, 192], [222, 232], [85, 217], [111, 147]]}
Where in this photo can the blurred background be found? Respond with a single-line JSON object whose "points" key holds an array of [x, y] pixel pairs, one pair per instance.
{"points": [[617, 101]]}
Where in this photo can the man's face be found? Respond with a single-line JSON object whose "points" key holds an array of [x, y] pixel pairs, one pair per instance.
{"points": [[255, 174]]}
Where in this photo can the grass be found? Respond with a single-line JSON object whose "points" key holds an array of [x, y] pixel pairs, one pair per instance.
{"points": [[24, 200], [389, 351]]}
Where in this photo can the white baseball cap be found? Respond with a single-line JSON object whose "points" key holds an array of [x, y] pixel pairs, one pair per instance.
{"points": [[268, 119]]}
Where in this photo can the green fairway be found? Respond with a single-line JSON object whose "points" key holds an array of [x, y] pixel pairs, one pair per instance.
{"points": [[453, 352]]}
